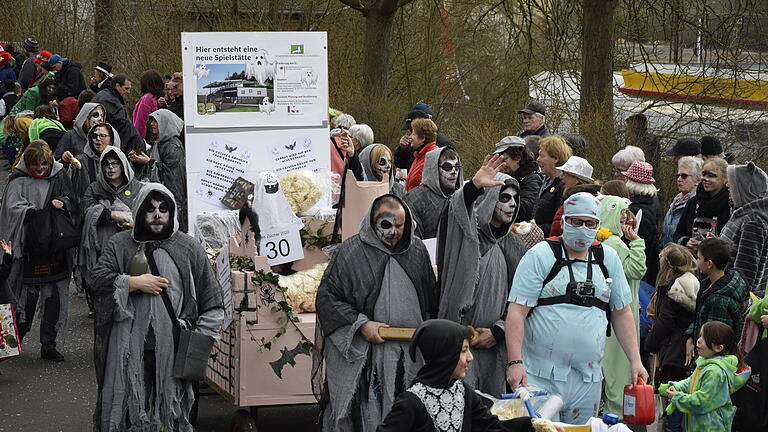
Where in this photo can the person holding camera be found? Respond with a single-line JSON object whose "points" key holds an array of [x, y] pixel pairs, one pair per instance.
{"points": [[574, 293]]}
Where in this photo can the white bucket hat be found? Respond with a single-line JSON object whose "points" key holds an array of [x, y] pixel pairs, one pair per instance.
{"points": [[578, 167]]}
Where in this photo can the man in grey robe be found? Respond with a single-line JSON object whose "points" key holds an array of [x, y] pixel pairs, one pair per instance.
{"points": [[381, 277], [442, 176], [166, 163], [477, 259], [135, 350]]}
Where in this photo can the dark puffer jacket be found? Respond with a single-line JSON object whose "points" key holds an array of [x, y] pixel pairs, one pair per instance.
{"points": [[71, 78], [675, 306]]}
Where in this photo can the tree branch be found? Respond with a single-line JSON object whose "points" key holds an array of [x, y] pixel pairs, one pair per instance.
{"points": [[356, 5]]}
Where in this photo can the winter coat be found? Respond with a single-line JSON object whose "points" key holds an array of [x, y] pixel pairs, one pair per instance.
{"points": [[675, 306], [27, 72], [705, 396], [146, 105], [722, 301], [648, 230], [68, 111], [117, 116], [747, 231], [404, 156], [703, 205], [672, 218], [530, 184], [71, 77], [549, 200], [30, 100], [542, 132], [417, 167], [7, 73]]}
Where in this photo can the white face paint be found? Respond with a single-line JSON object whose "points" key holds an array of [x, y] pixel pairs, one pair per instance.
{"points": [[157, 217], [389, 225], [113, 170], [448, 177], [383, 167], [96, 116], [506, 205]]}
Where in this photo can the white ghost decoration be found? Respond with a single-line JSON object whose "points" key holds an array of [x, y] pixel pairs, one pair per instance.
{"points": [[261, 68], [270, 203], [200, 71], [266, 106], [309, 79]]}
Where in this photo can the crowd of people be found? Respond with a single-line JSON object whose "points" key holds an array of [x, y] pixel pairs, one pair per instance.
{"points": [[538, 278]]}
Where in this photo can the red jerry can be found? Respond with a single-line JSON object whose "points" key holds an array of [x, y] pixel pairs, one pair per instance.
{"points": [[639, 406]]}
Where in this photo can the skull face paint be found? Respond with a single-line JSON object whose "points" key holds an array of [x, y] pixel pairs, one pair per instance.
{"points": [[157, 218], [96, 116], [389, 223], [504, 212], [449, 173], [383, 167]]}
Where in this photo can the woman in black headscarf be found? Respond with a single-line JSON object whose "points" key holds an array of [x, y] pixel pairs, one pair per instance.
{"points": [[438, 401]]}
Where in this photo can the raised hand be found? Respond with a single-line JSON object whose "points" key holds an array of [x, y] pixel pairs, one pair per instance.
{"points": [[6, 246], [492, 164]]}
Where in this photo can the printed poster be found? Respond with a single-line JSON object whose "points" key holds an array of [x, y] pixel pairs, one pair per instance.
{"points": [[224, 161]]}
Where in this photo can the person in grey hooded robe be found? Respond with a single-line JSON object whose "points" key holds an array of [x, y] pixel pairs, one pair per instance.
{"points": [[477, 259], [134, 348], [442, 176], [380, 277], [107, 209], [38, 274], [75, 139], [99, 137], [376, 162], [165, 163]]}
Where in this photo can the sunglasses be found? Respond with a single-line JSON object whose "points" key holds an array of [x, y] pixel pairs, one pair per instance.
{"points": [[447, 167], [683, 175], [709, 174], [591, 224]]}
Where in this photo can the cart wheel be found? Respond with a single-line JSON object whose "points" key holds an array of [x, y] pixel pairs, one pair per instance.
{"points": [[243, 421]]}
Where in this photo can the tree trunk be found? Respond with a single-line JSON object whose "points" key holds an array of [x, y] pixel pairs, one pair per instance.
{"points": [[378, 29], [596, 107], [103, 30]]}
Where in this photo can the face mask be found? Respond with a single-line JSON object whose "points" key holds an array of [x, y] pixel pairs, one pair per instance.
{"points": [[506, 205], [578, 238], [448, 177]]}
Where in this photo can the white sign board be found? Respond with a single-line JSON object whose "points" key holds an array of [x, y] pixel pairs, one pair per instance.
{"points": [[255, 79], [281, 245]]}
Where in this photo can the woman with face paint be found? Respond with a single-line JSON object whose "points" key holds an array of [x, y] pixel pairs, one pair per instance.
{"points": [[438, 400], [477, 260], [37, 186], [381, 277], [73, 142], [376, 164], [442, 176]]}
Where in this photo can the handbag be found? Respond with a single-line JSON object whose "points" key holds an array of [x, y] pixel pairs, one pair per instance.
{"points": [[192, 349], [10, 345], [751, 400], [51, 230]]}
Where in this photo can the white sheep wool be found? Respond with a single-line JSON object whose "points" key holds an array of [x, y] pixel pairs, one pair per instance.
{"points": [[301, 190], [270, 204]]}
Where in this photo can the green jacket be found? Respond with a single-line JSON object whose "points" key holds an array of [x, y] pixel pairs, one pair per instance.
{"points": [[723, 301], [30, 100], [705, 396], [757, 310], [40, 124]]}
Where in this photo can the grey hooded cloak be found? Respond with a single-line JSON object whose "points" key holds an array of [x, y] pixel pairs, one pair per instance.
{"points": [[427, 200], [167, 165], [395, 188], [76, 138], [133, 329], [365, 281], [85, 175], [477, 264]]}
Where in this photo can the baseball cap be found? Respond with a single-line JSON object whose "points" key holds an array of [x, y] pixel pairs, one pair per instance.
{"points": [[534, 107], [509, 142], [55, 59], [422, 106], [685, 146], [413, 115]]}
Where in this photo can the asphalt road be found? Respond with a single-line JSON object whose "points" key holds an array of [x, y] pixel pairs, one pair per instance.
{"points": [[41, 396]]}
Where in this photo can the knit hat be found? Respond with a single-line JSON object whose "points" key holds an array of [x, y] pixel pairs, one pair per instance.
{"points": [[746, 183], [710, 145], [582, 204], [31, 45], [55, 59], [578, 167], [509, 142], [685, 146], [422, 106], [42, 57], [641, 172]]}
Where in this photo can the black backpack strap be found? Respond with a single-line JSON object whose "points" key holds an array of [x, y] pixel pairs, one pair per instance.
{"points": [[599, 254], [557, 251]]}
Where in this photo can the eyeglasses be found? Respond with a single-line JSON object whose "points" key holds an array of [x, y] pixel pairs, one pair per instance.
{"points": [[448, 167], [683, 175], [589, 223], [110, 164], [709, 174], [100, 136]]}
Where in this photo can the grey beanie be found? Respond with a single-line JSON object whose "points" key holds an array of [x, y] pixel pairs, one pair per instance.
{"points": [[747, 183]]}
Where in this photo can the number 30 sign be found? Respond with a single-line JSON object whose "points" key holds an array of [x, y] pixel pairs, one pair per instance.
{"points": [[281, 245]]}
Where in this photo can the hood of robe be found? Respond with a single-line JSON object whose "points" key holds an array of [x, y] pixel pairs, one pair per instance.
{"points": [[22, 170], [747, 183], [487, 202], [84, 113], [431, 176], [127, 170], [139, 200], [368, 232], [610, 213], [90, 151], [169, 125], [365, 162], [440, 342]]}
